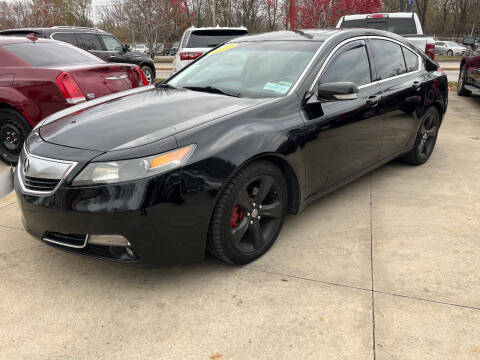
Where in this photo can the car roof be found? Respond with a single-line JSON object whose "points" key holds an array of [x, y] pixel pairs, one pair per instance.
{"points": [[51, 30], [5, 40], [317, 35], [390, 15], [193, 28]]}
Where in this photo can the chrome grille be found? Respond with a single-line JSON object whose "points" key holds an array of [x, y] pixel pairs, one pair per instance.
{"points": [[38, 184], [41, 176]]}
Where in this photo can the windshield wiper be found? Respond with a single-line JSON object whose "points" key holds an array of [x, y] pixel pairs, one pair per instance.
{"points": [[213, 90], [166, 85]]}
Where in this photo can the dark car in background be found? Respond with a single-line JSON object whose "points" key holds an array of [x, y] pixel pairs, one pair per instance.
{"points": [[219, 157], [39, 77], [98, 42], [469, 78]]}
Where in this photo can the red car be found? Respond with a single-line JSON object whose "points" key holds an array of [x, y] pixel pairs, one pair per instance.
{"points": [[39, 77]]}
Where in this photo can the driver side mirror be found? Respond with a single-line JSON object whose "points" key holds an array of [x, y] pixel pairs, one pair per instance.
{"points": [[469, 40], [126, 48], [337, 91]]}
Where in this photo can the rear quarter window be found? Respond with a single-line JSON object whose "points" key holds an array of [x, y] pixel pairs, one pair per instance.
{"points": [[411, 59], [51, 54]]}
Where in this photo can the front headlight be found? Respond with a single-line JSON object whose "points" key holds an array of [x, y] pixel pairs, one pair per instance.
{"points": [[133, 169]]}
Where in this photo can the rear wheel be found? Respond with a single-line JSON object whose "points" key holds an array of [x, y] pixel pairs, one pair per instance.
{"points": [[426, 138], [148, 73], [14, 129], [249, 214], [462, 79]]}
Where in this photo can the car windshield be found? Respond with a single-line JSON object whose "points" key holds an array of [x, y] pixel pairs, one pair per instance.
{"points": [[249, 69], [40, 54]]}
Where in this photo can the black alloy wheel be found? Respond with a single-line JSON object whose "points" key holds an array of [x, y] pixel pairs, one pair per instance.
{"points": [[462, 78], [13, 131], [148, 73], [426, 138], [249, 214]]}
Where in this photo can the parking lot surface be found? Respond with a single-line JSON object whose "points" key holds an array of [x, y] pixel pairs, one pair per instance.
{"points": [[386, 266]]}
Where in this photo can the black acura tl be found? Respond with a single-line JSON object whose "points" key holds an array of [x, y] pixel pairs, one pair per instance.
{"points": [[214, 158]]}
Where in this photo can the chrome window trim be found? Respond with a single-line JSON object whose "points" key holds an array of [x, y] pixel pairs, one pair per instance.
{"points": [[44, 238], [365, 37], [37, 192], [307, 68]]}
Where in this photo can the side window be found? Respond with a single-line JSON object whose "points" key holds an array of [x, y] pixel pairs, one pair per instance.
{"points": [[411, 59], [388, 58], [112, 44], [350, 64], [89, 41], [66, 37]]}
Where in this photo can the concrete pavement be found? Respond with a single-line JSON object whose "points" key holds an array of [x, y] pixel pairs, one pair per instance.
{"points": [[386, 267]]}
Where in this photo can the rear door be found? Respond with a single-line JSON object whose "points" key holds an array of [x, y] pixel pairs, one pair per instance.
{"points": [[91, 43], [345, 135], [399, 73]]}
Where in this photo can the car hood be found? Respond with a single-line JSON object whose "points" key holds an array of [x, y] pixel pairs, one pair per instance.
{"points": [[139, 119]]}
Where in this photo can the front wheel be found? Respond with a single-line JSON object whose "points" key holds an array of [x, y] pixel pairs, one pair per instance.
{"points": [[148, 73], [426, 138], [249, 214], [450, 53], [14, 129]]}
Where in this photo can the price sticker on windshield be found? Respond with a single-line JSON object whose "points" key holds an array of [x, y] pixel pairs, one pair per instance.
{"points": [[223, 48]]}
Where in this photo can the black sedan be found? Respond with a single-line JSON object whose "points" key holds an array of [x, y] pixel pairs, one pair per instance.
{"points": [[215, 157]]}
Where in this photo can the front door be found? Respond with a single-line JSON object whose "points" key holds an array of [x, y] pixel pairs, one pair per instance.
{"points": [[114, 49], [343, 136]]}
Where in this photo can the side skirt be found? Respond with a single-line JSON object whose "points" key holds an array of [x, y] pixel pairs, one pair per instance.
{"points": [[348, 180]]}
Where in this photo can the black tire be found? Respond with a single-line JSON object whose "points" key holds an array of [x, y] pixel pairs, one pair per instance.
{"points": [[426, 138], [462, 79], [450, 53], [249, 214], [148, 72], [14, 129]]}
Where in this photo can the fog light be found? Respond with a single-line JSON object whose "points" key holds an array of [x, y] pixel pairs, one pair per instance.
{"points": [[115, 240], [129, 252]]}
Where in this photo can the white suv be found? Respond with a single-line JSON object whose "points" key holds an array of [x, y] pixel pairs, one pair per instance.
{"points": [[197, 41]]}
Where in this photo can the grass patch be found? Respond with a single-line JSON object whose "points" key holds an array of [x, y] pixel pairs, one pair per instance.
{"points": [[447, 58], [452, 85]]}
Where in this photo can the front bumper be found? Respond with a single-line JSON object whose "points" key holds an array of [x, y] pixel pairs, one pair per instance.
{"points": [[164, 220]]}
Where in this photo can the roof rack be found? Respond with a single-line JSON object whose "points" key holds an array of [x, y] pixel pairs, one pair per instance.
{"points": [[75, 27]]}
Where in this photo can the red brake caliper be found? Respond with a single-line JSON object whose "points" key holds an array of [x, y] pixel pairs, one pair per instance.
{"points": [[237, 216]]}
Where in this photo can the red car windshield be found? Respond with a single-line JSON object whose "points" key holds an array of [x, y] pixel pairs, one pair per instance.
{"points": [[52, 54]]}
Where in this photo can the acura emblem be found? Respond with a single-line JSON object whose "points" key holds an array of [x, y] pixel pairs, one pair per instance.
{"points": [[26, 165]]}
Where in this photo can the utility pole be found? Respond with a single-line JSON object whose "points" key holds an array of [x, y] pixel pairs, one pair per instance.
{"points": [[214, 13]]}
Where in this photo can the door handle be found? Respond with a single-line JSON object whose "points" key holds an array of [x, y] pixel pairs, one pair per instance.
{"points": [[373, 100], [112, 56], [416, 85]]}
